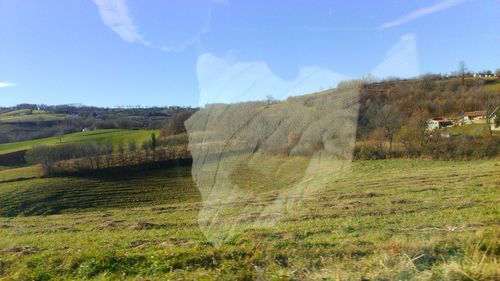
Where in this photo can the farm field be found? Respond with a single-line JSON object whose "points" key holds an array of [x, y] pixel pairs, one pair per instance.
{"points": [[470, 130], [24, 115], [493, 87], [100, 136], [384, 220], [11, 174]]}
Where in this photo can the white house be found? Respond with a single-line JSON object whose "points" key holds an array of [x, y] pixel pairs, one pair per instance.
{"points": [[474, 116], [438, 123]]}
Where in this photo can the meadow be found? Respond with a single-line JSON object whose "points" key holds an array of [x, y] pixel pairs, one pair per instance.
{"points": [[471, 130], [113, 136], [384, 220], [25, 115], [493, 87], [18, 173]]}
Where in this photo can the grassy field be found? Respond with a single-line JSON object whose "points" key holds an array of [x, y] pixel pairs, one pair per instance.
{"points": [[385, 220], [470, 130], [100, 136], [493, 87], [44, 196], [24, 115], [11, 174]]}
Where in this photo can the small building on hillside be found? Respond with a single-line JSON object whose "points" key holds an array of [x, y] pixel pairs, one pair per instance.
{"points": [[438, 123], [474, 116]]}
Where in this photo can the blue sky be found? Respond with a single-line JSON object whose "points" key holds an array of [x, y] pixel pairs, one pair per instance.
{"points": [[145, 52]]}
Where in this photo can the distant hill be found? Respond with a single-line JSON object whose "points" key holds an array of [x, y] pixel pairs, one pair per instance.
{"points": [[28, 122]]}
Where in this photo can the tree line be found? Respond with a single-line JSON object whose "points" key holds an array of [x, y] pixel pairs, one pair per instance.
{"points": [[88, 156]]}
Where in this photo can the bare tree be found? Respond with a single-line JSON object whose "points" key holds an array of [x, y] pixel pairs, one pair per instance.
{"points": [[269, 100], [146, 147], [121, 152], [418, 123], [132, 149], [390, 120], [175, 124], [93, 154], [376, 137], [154, 144], [44, 156], [108, 153], [462, 71], [49, 156]]}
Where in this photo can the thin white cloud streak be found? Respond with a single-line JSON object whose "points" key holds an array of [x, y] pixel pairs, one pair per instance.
{"points": [[441, 6], [401, 60], [222, 80], [115, 14], [6, 85]]}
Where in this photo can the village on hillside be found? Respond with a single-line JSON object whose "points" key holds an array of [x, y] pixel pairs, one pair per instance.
{"points": [[467, 118]]}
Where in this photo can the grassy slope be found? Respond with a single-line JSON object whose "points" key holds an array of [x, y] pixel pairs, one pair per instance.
{"points": [[31, 118], [395, 219], [22, 115], [100, 136], [11, 174], [493, 87], [471, 130], [63, 194]]}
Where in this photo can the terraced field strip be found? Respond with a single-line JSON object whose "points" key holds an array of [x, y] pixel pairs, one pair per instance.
{"points": [[10, 174]]}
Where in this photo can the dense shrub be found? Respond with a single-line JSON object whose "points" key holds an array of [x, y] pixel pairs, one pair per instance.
{"points": [[462, 147], [437, 148], [369, 152]]}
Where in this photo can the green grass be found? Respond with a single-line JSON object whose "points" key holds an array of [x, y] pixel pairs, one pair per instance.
{"points": [[493, 87], [24, 115], [10, 174], [100, 136], [31, 118], [43, 196], [470, 130], [15, 112], [385, 220]]}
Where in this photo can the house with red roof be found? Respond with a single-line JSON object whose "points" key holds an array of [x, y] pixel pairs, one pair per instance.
{"points": [[438, 123], [474, 116]]}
